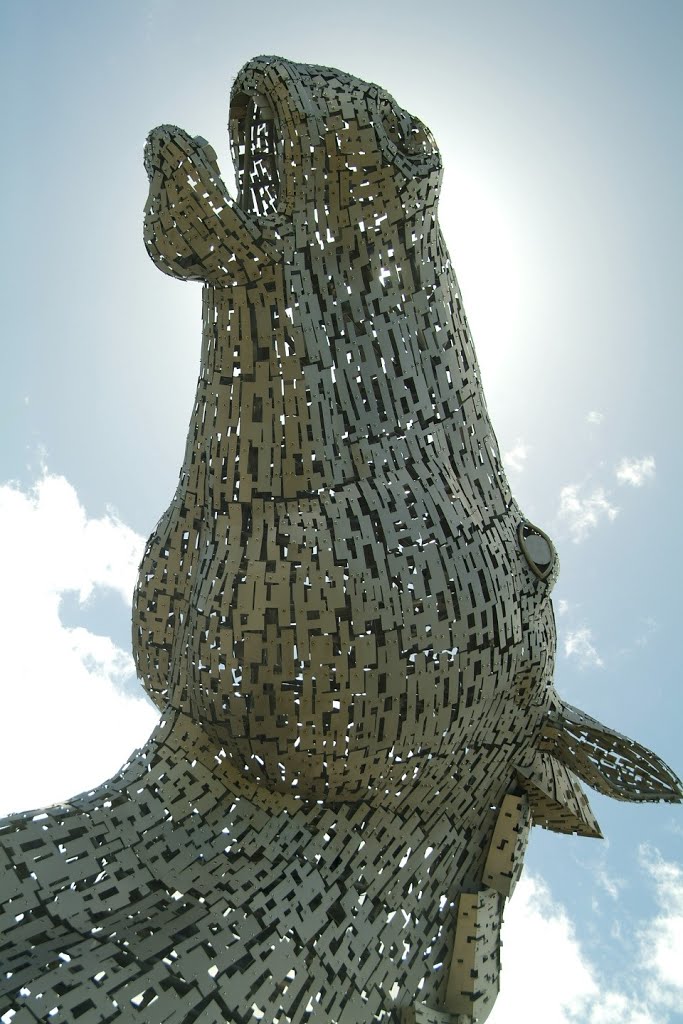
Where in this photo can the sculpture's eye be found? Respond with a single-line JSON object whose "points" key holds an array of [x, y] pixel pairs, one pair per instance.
{"points": [[538, 550]]}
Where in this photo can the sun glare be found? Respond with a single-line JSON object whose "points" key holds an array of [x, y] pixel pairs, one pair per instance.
{"points": [[486, 243]]}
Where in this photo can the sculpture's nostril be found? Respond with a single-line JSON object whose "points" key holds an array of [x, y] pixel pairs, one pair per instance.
{"points": [[537, 548]]}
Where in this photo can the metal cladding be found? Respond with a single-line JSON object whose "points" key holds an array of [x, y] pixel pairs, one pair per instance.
{"points": [[343, 616]]}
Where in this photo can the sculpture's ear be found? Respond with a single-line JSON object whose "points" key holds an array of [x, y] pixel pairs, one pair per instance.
{"points": [[609, 762], [556, 799]]}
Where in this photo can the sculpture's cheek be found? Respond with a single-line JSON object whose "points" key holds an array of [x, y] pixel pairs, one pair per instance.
{"points": [[318, 661], [536, 663]]}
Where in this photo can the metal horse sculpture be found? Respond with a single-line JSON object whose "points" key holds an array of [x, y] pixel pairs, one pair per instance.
{"points": [[343, 616]]}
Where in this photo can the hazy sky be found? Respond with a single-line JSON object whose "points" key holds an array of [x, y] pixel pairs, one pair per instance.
{"points": [[561, 130]]}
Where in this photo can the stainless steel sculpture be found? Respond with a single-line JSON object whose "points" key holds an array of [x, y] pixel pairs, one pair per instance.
{"points": [[343, 616]]}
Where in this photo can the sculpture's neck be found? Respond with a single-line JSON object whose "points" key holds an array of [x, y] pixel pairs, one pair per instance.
{"points": [[394, 871], [179, 749], [307, 370]]}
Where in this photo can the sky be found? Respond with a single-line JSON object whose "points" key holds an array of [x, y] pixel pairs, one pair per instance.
{"points": [[561, 132]]}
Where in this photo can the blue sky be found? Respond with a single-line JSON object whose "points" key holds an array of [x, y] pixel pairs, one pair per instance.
{"points": [[560, 128]]}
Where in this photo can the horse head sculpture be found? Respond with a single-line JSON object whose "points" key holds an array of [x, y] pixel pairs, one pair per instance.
{"points": [[343, 590]]}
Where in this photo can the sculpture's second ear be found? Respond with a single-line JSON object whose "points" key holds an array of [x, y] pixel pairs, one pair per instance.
{"points": [[609, 762]]}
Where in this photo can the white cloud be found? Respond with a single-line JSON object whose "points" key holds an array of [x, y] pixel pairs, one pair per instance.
{"points": [[583, 514], [49, 527], [562, 606], [67, 725], [595, 418], [636, 471], [547, 978], [607, 881], [515, 458], [544, 976], [618, 1008], [579, 644], [662, 938]]}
